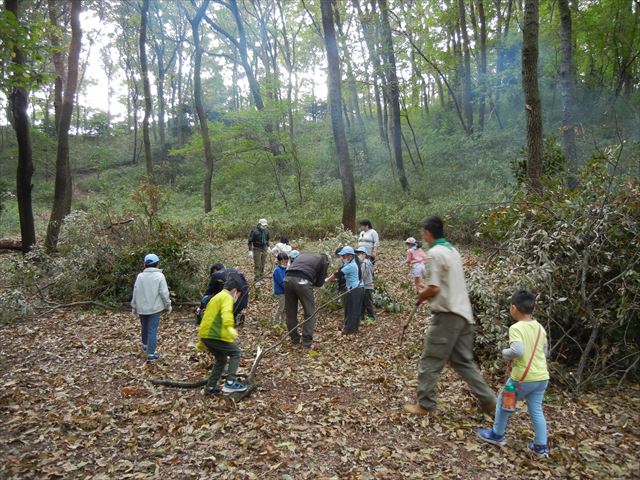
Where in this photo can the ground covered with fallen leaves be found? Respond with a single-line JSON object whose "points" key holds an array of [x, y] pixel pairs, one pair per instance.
{"points": [[76, 402]]}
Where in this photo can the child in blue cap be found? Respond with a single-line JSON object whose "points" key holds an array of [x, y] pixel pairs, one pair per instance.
{"points": [[353, 279], [150, 297]]}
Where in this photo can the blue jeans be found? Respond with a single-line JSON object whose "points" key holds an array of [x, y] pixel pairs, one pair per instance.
{"points": [[149, 331], [533, 393]]}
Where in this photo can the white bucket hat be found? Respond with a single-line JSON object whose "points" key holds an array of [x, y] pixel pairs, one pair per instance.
{"points": [[263, 222]]}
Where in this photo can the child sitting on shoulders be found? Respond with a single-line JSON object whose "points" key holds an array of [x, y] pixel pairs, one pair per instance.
{"points": [[416, 258], [529, 374]]}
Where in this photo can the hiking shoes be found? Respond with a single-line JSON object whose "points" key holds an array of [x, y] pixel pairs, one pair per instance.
{"points": [[153, 357], [415, 409], [143, 347], [233, 386], [211, 390], [489, 436], [539, 450]]}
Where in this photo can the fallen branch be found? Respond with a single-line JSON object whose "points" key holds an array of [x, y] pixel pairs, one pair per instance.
{"points": [[51, 308], [10, 244]]}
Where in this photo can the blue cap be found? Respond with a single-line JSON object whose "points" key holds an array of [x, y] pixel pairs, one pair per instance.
{"points": [[348, 250], [361, 250], [294, 254], [151, 258]]}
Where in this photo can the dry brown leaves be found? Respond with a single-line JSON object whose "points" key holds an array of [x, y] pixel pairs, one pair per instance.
{"points": [[76, 403]]}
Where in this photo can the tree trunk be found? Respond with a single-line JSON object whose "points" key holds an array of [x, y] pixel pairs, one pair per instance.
{"points": [[335, 108], [63, 187], [482, 74], [532, 106], [567, 86], [393, 90], [19, 103], [146, 87], [467, 94], [58, 64], [202, 115]]}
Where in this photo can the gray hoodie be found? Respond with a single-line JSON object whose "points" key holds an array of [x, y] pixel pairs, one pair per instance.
{"points": [[150, 292]]}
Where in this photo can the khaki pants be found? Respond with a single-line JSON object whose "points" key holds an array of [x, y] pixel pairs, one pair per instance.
{"points": [[280, 315], [449, 338], [259, 261], [298, 289]]}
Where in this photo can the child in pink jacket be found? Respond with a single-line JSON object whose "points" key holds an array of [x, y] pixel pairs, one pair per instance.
{"points": [[416, 258]]}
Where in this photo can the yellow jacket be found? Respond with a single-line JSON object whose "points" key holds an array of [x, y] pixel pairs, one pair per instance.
{"points": [[217, 321]]}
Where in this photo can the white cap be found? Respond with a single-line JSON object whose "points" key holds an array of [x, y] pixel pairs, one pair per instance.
{"points": [[410, 240], [263, 221]]}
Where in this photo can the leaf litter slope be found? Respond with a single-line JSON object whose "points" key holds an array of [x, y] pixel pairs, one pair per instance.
{"points": [[76, 403]]}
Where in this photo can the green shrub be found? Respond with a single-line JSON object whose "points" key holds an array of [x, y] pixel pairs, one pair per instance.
{"points": [[578, 251]]}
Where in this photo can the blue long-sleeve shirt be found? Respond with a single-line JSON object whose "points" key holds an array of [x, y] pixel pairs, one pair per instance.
{"points": [[278, 279]]}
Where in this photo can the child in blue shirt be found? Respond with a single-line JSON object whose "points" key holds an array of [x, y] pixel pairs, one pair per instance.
{"points": [[354, 299], [278, 284]]}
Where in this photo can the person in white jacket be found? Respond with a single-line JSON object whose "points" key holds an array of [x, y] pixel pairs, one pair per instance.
{"points": [[150, 298]]}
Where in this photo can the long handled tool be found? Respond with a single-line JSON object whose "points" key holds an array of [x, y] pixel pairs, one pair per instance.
{"points": [[409, 320], [250, 378]]}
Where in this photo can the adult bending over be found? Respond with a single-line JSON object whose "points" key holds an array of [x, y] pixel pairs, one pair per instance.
{"points": [[307, 271]]}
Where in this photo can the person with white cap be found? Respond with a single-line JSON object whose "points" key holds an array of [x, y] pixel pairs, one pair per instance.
{"points": [[416, 258], [150, 297], [353, 279], [259, 247]]}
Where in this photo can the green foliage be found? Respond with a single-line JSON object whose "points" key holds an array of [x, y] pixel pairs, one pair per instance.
{"points": [[578, 251], [554, 165], [31, 40]]}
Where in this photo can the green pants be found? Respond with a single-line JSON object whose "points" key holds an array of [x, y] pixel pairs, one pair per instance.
{"points": [[259, 261], [221, 350], [449, 338]]}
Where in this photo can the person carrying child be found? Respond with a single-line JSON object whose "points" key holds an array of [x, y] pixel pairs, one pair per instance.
{"points": [[529, 375], [416, 258], [353, 303], [218, 334], [278, 285], [150, 297], [366, 270]]}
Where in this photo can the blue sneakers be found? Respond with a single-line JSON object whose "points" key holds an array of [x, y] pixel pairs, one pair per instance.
{"points": [[540, 450], [232, 386], [489, 436]]}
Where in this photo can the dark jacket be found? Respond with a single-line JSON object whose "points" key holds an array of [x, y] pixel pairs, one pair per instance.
{"points": [[310, 266], [258, 238], [216, 284]]}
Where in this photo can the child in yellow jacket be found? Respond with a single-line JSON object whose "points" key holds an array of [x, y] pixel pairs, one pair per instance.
{"points": [[217, 332]]}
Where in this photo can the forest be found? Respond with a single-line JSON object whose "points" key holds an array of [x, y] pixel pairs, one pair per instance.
{"points": [[172, 126]]}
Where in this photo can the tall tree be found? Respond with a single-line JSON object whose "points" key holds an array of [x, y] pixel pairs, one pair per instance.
{"points": [[334, 87], [393, 92], [199, 104], [567, 86], [19, 103], [532, 108], [146, 87], [467, 93], [63, 188]]}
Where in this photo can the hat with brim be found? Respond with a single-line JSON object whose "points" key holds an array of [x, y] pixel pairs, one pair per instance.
{"points": [[361, 250], [263, 222], [150, 259], [410, 240], [346, 251], [293, 254]]}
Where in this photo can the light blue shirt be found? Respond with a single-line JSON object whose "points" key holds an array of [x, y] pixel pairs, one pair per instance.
{"points": [[351, 275]]}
